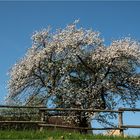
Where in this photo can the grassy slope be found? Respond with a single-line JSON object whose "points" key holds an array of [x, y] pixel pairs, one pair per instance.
{"points": [[53, 135]]}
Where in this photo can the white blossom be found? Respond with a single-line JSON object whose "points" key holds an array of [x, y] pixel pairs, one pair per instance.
{"points": [[74, 68]]}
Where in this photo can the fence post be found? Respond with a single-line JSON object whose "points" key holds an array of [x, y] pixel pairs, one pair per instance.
{"points": [[42, 117], [121, 122]]}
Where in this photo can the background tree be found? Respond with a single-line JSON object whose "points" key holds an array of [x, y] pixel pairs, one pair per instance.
{"points": [[72, 68]]}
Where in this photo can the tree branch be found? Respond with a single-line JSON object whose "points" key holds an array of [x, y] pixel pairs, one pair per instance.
{"points": [[85, 64]]}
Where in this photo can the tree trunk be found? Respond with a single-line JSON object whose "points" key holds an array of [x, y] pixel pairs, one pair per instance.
{"points": [[84, 122]]}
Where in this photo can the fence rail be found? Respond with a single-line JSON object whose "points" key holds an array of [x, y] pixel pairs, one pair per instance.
{"points": [[9, 106], [130, 109], [42, 112], [75, 109], [25, 122], [83, 128]]}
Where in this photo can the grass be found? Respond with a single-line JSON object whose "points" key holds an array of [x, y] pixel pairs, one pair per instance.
{"points": [[56, 135]]}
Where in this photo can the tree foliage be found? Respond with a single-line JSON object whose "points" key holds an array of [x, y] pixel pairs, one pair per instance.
{"points": [[73, 68]]}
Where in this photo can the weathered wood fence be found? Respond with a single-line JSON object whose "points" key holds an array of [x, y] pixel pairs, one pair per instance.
{"points": [[43, 111]]}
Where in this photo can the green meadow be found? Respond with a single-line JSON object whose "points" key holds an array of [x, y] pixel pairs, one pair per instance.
{"points": [[57, 135]]}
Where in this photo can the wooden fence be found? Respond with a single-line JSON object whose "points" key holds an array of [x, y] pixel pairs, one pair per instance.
{"points": [[43, 110]]}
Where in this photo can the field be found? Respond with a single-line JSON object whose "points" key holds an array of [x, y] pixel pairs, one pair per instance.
{"points": [[54, 135]]}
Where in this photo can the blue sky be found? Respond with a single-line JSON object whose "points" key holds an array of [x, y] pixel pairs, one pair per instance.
{"points": [[18, 20]]}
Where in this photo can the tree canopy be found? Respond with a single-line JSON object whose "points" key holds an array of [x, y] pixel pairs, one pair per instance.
{"points": [[73, 68]]}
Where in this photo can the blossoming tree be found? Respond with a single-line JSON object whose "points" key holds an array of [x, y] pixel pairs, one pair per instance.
{"points": [[72, 68]]}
